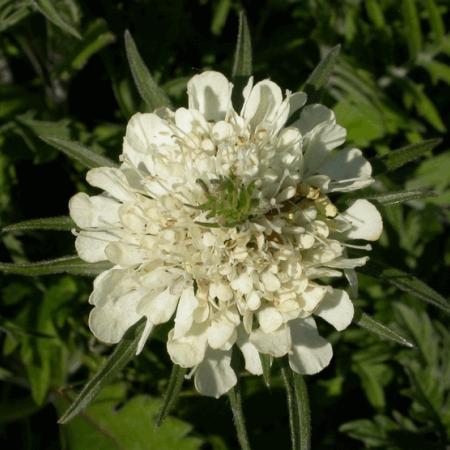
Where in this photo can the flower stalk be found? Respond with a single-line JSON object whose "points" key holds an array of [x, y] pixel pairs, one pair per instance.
{"points": [[298, 405], [234, 395]]}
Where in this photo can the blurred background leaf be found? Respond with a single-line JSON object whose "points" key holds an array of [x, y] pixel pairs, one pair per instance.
{"points": [[64, 75]]}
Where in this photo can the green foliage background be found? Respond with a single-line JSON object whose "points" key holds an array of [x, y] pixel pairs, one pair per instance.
{"points": [[63, 74]]}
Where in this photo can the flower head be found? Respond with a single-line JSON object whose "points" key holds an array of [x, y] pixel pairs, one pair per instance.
{"points": [[225, 220]]}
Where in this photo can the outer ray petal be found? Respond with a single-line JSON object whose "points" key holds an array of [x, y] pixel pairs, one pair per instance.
{"points": [[250, 353], [214, 376], [310, 352], [347, 164], [188, 350], [91, 245], [93, 212], [366, 222], [210, 93], [337, 309], [277, 343], [263, 103]]}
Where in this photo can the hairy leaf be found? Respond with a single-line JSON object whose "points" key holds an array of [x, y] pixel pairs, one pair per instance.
{"points": [[79, 153], [172, 392], [66, 264], [124, 351], [365, 321], [47, 8], [398, 158], [320, 75], [242, 66], [150, 92], [405, 282], [61, 223], [393, 198]]}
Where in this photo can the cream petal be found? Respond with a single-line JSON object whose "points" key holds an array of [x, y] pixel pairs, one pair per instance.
{"points": [[246, 94], [91, 245], [188, 350], [270, 281], [112, 181], [277, 343], [348, 263], [243, 283], [263, 103], [110, 321], [112, 284], [214, 376], [310, 352], [222, 131], [161, 307], [337, 309], [145, 131], [210, 93], [352, 279], [253, 301], [347, 164], [125, 255], [313, 115], [95, 211], [291, 104], [220, 332], [296, 101], [190, 121], [251, 355], [365, 219], [318, 144], [184, 317], [144, 337], [220, 290], [269, 319], [311, 297]]}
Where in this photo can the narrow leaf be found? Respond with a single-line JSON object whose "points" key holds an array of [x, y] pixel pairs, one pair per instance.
{"points": [[423, 104], [412, 27], [422, 395], [172, 392], [370, 324], [60, 223], [95, 37], [150, 92], [242, 66], [298, 406], [66, 264], [235, 397], [13, 12], [436, 22], [79, 153], [221, 13], [320, 75], [398, 158], [375, 13], [124, 351], [393, 198], [406, 283], [47, 8]]}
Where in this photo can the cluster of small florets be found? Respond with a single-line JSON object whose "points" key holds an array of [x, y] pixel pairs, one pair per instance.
{"points": [[223, 219]]}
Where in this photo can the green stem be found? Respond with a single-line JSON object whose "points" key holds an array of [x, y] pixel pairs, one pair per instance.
{"points": [[298, 405], [234, 394]]}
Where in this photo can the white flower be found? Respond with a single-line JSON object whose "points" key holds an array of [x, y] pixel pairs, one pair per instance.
{"points": [[223, 219]]}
